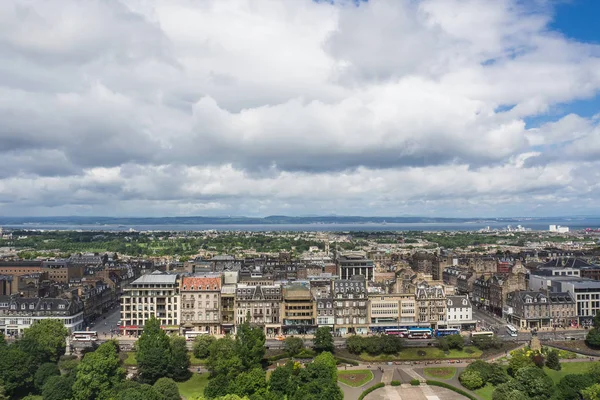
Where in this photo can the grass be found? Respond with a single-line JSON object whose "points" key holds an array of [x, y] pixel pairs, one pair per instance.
{"points": [[566, 369], [440, 372], [356, 377], [485, 392], [431, 353], [130, 361], [193, 387]]}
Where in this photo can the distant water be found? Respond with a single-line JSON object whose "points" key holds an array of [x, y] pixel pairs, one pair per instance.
{"points": [[536, 225]]}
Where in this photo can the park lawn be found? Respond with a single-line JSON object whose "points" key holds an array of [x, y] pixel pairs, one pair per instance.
{"points": [[431, 353], [566, 369], [440, 372], [193, 387], [356, 377], [485, 392], [196, 361]]}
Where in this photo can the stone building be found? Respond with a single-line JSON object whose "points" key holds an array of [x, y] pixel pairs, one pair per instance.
{"points": [[431, 305], [298, 310], [262, 304], [350, 302], [201, 303]]}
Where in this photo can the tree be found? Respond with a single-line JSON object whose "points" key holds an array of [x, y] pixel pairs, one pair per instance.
{"points": [[511, 390], [279, 382], [248, 383], [223, 358], [3, 395], [323, 340], [180, 360], [355, 344], [45, 339], [293, 345], [596, 321], [486, 342], [58, 388], [553, 362], [538, 360], [592, 392], [518, 359], [167, 388], [536, 384], [471, 379], [594, 371], [250, 344], [570, 386], [42, 374], [201, 345], [98, 373], [142, 392], [593, 338], [16, 370], [456, 342], [153, 352]]}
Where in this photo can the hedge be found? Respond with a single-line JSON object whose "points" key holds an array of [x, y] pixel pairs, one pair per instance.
{"points": [[453, 388], [339, 360], [371, 389], [415, 382], [395, 383]]}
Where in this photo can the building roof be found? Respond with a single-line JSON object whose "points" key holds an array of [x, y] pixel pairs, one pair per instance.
{"points": [[156, 277], [568, 262], [458, 301], [201, 283], [561, 297]]}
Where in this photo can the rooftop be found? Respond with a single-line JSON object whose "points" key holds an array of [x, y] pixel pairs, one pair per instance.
{"points": [[156, 277]]}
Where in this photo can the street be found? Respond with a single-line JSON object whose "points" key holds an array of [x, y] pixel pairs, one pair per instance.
{"points": [[107, 322]]}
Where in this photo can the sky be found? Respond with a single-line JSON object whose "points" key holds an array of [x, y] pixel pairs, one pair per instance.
{"points": [[455, 108]]}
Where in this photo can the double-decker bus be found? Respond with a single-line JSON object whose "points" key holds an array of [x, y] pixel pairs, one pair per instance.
{"points": [[482, 334], [84, 336], [512, 331], [419, 333], [447, 332], [402, 332]]}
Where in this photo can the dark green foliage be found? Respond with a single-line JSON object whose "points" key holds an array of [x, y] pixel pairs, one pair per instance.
{"points": [[98, 373], [323, 340], [536, 384], [395, 383], [248, 383], [594, 371], [223, 359], [455, 342], [355, 344], [45, 340], [593, 338], [293, 345], [375, 345], [202, 345], [217, 386], [142, 392], [180, 360], [250, 345], [153, 352], [415, 382], [44, 372], [596, 321], [58, 388], [489, 372], [570, 386], [486, 342], [518, 360], [280, 380], [453, 388], [509, 391], [167, 388], [16, 370], [553, 361]]}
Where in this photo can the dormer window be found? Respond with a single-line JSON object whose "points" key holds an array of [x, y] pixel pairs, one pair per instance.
{"points": [[31, 306], [450, 302], [23, 306]]}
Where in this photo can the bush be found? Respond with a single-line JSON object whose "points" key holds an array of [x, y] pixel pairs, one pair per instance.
{"points": [[340, 360], [486, 342], [305, 353], [395, 383], [371, 389], [471, 379], [201, 345], [538, 360], [355, 344], [570, 386], [415, 382], [553, 360], [593, 338], [455, 342], [293, 345], [453, 388]]}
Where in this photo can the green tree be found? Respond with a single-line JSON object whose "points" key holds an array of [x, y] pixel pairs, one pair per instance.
{"points": [[553, 362], [592, 392], [58, 388], [536, 384], [355, 344], [323, 340], [223, 358], [596, 321], [248, 383], [570, 386], [142, 392], [511, 390], [593, 338], [16, 370], [98, 373], [180, 360], [519, 359], [250, 343], [46, 339], [471, 379], [293, 345], [279, 382], [42, 374], [153, 352], [167, 388], [3, 395], [456, 342], [201, 345], [594, 371], [486, 342]]}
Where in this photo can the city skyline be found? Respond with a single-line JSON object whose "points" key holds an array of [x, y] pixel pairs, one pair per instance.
{"points": [[424, 108]]}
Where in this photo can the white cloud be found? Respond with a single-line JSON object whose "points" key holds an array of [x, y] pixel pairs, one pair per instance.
{"points": [[246, 106]]}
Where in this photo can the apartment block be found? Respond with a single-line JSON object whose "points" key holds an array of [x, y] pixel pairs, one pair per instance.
{"points": [[201, 303]]}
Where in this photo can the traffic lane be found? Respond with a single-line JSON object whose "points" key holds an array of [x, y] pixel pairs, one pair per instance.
{"points": [[107, 322]]}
